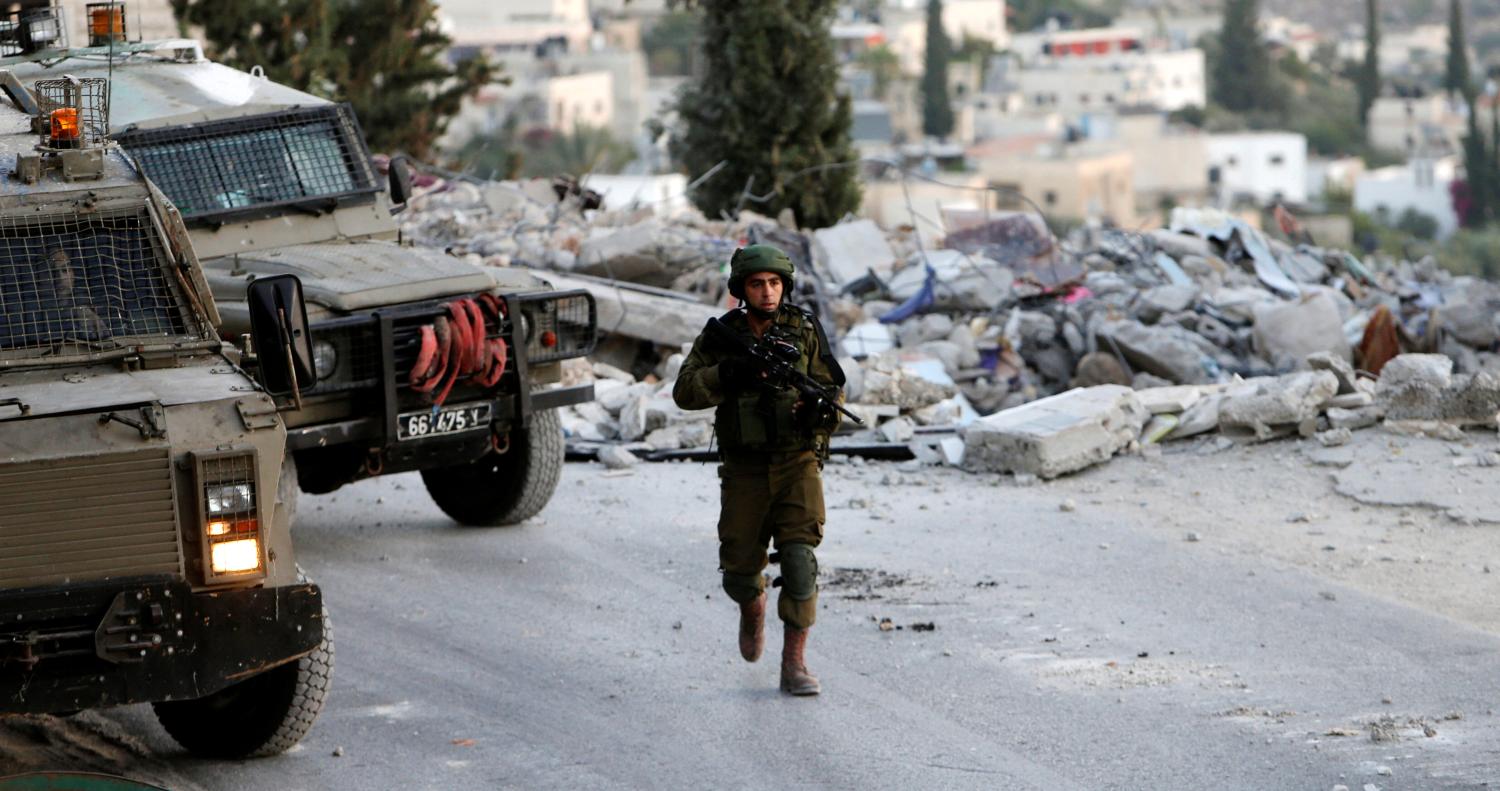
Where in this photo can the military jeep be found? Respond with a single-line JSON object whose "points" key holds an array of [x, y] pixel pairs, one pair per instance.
{"points": [[145, 498], [272, 180]]}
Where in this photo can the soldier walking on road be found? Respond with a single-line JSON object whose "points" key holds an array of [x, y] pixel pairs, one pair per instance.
{"points": [[772, 446]]}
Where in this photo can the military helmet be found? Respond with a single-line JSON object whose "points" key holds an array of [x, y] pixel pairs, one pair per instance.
{"points": [[746, 261]]}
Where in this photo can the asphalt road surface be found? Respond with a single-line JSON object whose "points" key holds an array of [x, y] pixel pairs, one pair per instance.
{"points": [[1069, 648]]}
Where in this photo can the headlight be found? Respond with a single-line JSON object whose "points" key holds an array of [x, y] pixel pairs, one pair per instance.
{"points": [[325, 359], [235, 557], [230, 498], [232, 550]]}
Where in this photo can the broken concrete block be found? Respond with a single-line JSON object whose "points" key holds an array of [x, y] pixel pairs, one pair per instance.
{"points": [[1334, 437], [1433, 369], [1175, 399], [696, 433], [576, 427], [1473, 401], [1436, 429], [613, 395], [1354, 419], [898, 430], [1171, 352], [1161, 300], [1351, 400], [952, 449], [1158, 429], [1275, 403], [1199, 418], [632, 423], [868, 339], [1413, 386], [629, 253], [1056, 435], [873, 413], [1287, 332], [616, 457], [848, 250], [1340, 367], [1474, 323], [665, 438], [607, 371]]}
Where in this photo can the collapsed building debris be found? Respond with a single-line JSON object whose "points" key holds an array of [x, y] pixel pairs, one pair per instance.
{"points": [[965, 348]]}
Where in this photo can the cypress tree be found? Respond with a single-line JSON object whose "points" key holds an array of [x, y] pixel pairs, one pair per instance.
{"points": [[1457, 80], [767, 108], [1242, 76], [1479, 175], [937, 109], [1368, 81], [384, 57]]}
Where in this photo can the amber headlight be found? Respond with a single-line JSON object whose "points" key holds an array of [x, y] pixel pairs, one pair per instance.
{"points": [[228, 512]]}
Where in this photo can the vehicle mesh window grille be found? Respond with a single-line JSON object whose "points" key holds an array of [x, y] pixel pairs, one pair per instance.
{"points": [[84, 279], [229, 487], [88, 101], [561, 327], [303, 158], [357, 348]]}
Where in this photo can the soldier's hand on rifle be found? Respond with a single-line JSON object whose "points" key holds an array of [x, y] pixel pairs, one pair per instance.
{"points": [[738, 373]]}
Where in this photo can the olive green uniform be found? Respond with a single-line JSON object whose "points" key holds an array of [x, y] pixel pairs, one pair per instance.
{"points": [[771, 486]]}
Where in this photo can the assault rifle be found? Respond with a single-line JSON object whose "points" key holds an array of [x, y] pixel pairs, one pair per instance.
{"points": [[776, 357]]}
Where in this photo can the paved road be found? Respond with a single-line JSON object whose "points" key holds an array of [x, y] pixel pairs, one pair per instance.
{"points": [[1071, 650]]}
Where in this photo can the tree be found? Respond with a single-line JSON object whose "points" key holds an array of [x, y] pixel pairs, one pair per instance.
{"points": [[384, 57], [1368, 80], [1477, 199], [1242, 76], [884, 67], [1457, 81], [937, 109], [669, 43], [768, 110], [544, 153]]}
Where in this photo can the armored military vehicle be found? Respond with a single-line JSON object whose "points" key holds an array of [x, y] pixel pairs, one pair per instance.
{"points": [[424, 362], [145, 502]]}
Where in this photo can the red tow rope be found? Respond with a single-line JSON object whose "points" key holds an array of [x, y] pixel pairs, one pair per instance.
{"points": [[454, 347]]}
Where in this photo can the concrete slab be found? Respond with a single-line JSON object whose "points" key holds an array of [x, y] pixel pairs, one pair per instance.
{"points": [[1056, 435]]}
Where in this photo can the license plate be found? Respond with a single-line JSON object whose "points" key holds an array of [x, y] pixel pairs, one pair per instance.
{"points": [[447, 420]]}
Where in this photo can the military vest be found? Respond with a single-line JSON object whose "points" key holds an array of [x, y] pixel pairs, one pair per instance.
{"points": [[761, 419]]}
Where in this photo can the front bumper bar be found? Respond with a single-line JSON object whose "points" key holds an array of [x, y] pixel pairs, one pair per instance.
{"points": [[89, 646], [373, 430]]}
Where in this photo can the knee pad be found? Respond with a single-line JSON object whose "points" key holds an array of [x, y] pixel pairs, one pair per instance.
{"points": [[799, 571], [743, 587]]}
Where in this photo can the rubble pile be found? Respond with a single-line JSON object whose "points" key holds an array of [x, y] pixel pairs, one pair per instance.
{"points": [[998, 346]]}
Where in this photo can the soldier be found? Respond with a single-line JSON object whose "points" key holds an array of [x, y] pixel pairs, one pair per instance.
{"points": [[772, 446]]}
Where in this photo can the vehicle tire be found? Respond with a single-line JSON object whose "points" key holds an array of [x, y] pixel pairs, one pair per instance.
{"points": [[263, 715], [504, 488]]}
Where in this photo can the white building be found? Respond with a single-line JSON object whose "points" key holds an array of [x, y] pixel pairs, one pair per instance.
{"points": [[904, 27], [1163, 80], [1418, 49], [1336, 175], [515, 24], [1428, 126], [1263, 166], [1422, 185]]}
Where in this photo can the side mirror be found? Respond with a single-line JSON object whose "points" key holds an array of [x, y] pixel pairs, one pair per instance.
{"points": [[278, 325], [400, 172]]}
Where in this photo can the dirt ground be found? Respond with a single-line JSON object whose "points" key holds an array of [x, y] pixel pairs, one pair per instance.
{"points": [[1406, 518]]}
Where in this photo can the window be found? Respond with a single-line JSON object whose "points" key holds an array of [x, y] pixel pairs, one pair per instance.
{"points": [[1277, 160], [1050, 198], [276, 159]]}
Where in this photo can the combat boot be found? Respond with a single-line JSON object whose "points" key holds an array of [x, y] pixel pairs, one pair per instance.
{"points": [[795, 679], [753, 627]]}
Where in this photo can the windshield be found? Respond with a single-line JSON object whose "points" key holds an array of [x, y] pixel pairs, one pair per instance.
{"points": [[265, 161], [84, 279]]}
